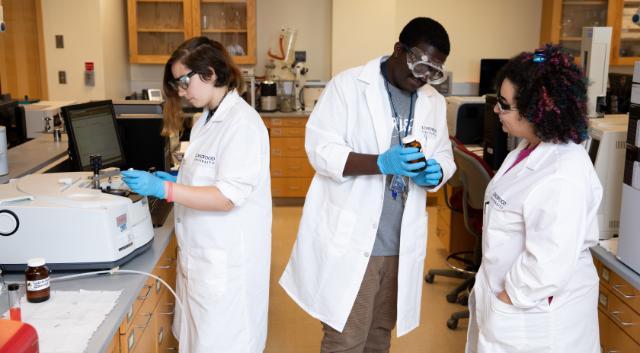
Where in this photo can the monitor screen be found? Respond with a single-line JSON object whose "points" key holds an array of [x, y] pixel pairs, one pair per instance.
{"points": [[489, 69], [93, 130]]}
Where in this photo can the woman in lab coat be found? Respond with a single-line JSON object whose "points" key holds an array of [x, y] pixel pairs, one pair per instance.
{"points": [[222, 204], [537, 287]]}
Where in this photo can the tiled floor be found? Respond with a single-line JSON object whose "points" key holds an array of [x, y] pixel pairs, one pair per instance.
{"points": [[291, 330]]}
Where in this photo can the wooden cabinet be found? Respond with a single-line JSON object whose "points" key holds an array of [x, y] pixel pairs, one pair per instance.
{"points": [[618, 312], [562, 22], [450, 228], [157, 27], [291, 172], [147, 326]]}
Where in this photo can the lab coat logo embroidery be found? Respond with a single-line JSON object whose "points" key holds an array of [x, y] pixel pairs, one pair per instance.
{"points": [[204, 160], [428, 132], [498, 201]]}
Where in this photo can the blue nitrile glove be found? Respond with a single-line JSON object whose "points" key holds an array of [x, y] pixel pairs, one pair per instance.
{"points": [[144, 183], [166, 176], [430, 176], [396, 161]]}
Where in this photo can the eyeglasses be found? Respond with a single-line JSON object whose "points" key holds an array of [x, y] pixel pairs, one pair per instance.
{"points": [[182, 81], [504, 107], [423, 67]]}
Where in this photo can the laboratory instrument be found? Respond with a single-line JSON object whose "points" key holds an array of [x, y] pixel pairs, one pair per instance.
{"points": [[63, 218], [595, 49]]}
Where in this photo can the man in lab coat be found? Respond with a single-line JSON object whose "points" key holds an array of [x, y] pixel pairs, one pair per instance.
{"points": [[358, 260]]}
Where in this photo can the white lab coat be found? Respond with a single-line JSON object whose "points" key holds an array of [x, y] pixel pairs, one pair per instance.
{"points": [[224, 257], [340, 216], [539, 223]]}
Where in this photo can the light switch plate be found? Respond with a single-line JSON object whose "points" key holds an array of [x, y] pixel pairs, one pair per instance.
{"points": [[62, 77], [59, 41]]}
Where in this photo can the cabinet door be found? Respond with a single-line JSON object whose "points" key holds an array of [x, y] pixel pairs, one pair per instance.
{"points": [[230, 22], [626, 35], [156, 28]]}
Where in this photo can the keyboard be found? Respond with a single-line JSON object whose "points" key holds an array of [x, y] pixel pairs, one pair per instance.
{"points": [[159, 209]]}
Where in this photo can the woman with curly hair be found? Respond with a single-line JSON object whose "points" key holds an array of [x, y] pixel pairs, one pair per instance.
{"points": [[537, 287]]}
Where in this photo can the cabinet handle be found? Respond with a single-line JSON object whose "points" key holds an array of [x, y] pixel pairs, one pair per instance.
{"points": [[148, 287], [616, 317], [171, 349], [626, 296], [165, 267], [614, 351], [146, 324], [294, 167]]}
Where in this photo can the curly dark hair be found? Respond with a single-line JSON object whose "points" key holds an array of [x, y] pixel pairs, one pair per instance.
{"points": [[551, 92]]}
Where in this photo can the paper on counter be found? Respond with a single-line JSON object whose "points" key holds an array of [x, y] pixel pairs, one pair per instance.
{"points": [[66, 321]]}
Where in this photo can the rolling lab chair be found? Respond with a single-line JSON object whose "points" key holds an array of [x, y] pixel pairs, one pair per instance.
{"points": [[474, 175]]}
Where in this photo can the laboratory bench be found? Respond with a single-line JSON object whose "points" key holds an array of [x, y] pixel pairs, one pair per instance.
{"points": [[618, 303], [141, 318]]}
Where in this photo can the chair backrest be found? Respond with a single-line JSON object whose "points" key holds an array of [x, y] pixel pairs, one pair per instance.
{"points": [[474, 177]]}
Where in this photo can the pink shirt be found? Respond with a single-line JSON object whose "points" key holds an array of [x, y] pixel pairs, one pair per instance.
{"points": [[522, 155]]}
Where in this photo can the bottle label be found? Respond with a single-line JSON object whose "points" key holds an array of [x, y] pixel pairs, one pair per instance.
{"points": [[40, 284]]}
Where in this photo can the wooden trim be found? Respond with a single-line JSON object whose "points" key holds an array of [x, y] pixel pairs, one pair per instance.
{"points": [[614, 19], [551, 22], [133, 34], [44, 86], [188, 21], [251, 34]]}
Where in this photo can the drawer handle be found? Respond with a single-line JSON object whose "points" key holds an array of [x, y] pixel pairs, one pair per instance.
{"points": [[615, 315], [293, 148], [293, 187], [146, 324], [625, 295], [148, 287], [165, 267], [171, 349], [172, 311], [294, 167]]}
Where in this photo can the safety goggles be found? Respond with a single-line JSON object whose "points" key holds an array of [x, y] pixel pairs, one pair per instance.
{"points": [[504, 107], [182, 81], [423, 68]]}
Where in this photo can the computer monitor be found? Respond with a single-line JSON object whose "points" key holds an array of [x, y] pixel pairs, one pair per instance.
{"points": [[92, 130], [13, 118], [489, 69], [606, 147]]}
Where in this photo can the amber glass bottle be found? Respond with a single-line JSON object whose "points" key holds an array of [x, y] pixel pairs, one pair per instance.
{"points": [[37, 278], [411, 141]]}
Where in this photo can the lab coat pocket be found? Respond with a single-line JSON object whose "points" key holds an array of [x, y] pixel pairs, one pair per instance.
{"points": [[498, 225], [207, 274], [338, 225], [518, 330]]}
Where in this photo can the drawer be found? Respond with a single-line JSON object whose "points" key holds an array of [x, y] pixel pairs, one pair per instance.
{"points": [[618, 286], [136, 338], [114, 346], [286, 131], [289, 187], [613, 339], [292, 121], [164, 318], [288, 147], [620, 313], [291, 167], [146, 293], [166, 266]]}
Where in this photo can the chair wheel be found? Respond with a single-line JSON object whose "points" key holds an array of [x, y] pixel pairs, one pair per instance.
{"points": [[463, 300], [452, 324], [429, 278], [452, 298]]}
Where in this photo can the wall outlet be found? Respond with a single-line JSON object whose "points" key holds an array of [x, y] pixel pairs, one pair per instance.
{"points": [[59, 41], [62, 77]]}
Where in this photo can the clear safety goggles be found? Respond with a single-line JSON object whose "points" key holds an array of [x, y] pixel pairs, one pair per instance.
{"points": [[182, 81], [423, 68]]}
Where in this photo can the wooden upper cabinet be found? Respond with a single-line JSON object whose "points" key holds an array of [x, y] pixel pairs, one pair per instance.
{"points": [[562, 22], [157, 27]]}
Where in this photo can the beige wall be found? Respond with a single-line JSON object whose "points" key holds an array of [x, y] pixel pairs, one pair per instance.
{"points": [[477, 29], [93, 30]]}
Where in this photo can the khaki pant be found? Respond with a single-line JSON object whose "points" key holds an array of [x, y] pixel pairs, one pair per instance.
{"points": [[373, 315]]}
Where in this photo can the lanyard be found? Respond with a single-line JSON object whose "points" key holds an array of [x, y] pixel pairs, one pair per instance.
{"points": [[396, 116]]}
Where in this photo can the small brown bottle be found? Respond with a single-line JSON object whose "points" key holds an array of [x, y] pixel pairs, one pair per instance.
{"points": [[411, 141], [37, 278]]}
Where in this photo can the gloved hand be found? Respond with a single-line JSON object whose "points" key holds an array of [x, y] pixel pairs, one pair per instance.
{"points": [[144, 183], [166, 176], [396, 161], [430, 176]]}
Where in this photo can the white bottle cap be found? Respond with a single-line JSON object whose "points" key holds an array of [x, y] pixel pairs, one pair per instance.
{"points": [[408, 138], [36, 262]]}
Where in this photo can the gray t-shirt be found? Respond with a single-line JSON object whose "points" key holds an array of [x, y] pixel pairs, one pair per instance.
{"points": [[388, 235]]}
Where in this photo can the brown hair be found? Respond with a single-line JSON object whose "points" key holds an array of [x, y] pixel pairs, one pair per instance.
{"points": [[199, 54]]}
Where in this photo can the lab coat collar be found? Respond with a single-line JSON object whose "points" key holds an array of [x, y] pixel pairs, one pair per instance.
{"points": [[539, 155], [220, 114], [378, 102]]}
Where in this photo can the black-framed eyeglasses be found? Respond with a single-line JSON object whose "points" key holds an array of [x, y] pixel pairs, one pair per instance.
{"points": [[504, 107], [182, 81]]}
